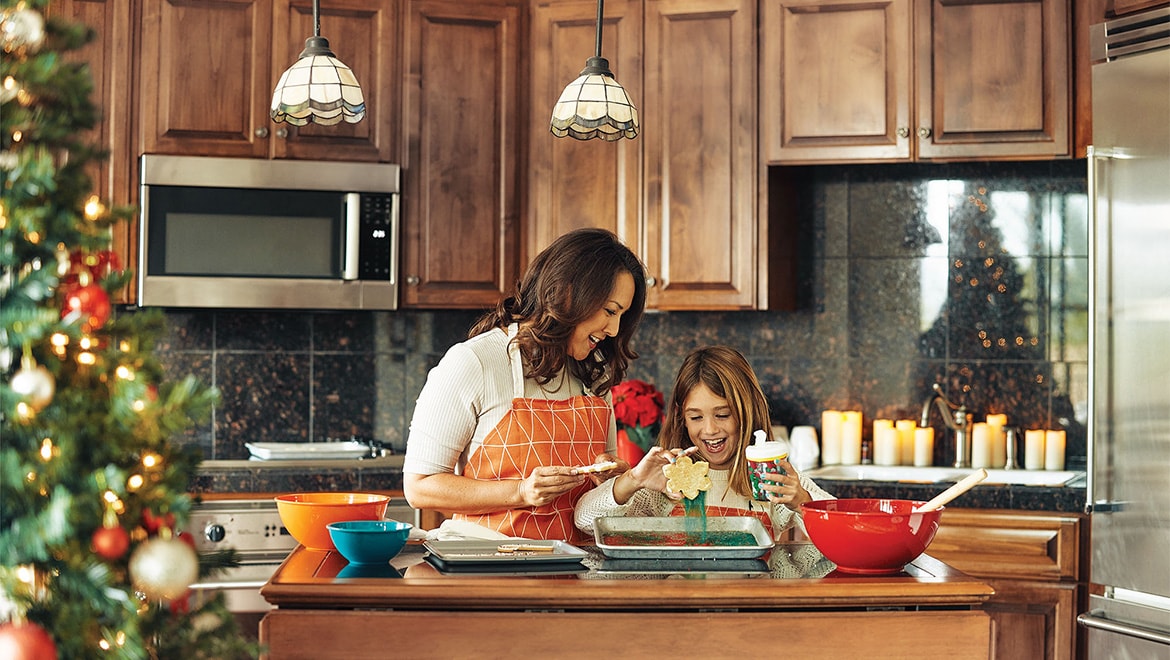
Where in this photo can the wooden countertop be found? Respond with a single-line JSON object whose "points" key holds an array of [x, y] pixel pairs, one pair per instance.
{"points": [[309, 578]]}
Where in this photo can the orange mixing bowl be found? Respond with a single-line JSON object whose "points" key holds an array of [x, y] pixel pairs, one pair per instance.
{"points": [[874, 536], [305, 515]]}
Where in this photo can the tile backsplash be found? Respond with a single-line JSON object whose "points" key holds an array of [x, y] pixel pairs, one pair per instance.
{"points": [[971, 275]]}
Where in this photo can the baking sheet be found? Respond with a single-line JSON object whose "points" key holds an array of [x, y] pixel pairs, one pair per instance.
{"points": [[478, 552], [293, 451], [689, 545]]}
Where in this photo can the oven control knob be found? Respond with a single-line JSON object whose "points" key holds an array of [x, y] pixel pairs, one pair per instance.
{"points": [[214, 532]]}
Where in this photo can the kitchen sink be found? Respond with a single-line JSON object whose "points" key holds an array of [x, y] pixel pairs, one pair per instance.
{"points": [[930, 475]]}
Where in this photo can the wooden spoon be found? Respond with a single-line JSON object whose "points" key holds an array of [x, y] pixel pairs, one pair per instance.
{"points": [[954, 491]]}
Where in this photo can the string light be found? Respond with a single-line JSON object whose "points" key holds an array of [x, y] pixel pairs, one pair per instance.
{"points": [[94, 208], [86, 358], [151, 460], [124, 372], [135, 482], [47, 449]]}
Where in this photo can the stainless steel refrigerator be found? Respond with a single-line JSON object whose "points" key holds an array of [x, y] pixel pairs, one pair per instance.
{"points": [[1128, 494]]}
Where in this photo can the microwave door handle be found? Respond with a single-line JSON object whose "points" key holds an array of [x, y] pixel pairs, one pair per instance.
{"points": [[353, 211], [394, 220]]}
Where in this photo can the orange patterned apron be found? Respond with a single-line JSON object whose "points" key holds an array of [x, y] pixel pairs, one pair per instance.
{"points": [[540, 432]]}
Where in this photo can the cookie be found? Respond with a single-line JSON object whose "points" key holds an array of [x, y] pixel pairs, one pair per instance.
{"points": [[687, 476]]}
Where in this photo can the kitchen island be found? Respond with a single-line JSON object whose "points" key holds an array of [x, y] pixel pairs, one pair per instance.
{"points": [[795, 604]]}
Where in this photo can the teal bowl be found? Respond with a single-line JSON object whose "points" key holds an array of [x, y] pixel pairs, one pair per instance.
{"points": [[369, 541]]}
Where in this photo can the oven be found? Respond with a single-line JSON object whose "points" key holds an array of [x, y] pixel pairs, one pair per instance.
{"points": [[252, 527]]}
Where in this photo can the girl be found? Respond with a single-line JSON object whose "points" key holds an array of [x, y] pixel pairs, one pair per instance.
{"points": [[507, 416], [715, 405]]}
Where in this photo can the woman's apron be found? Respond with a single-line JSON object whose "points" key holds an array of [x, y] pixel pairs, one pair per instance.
{"points": [[539, 432]]}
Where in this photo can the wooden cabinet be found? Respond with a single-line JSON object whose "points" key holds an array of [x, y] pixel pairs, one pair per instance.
{"points": [[462, 118], [853, 80], [1034, 562], [683, 194], [208, 70], [109, 58], [1123, 7]]}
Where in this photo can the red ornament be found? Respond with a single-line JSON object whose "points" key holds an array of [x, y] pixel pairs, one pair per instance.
{"points": [[89, 304], [26, 641], [110, 542], [153, 523]]}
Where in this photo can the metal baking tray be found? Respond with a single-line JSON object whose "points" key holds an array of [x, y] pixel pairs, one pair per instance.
{"points": [[679, 537], [478, 552]]}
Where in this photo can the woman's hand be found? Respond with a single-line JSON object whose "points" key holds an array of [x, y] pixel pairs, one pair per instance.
{"points": [[785, 488], [546, 484]]}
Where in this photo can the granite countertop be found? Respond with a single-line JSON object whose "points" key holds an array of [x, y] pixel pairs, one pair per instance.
{"points": [[1069, 498], [385, 474]]}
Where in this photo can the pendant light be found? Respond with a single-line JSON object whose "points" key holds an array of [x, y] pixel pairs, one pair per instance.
{"points": [[595, 105], [318, 88]]}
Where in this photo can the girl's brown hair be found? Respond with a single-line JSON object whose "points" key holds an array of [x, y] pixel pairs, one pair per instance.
{"points": [[728, 375], [566, 283]]}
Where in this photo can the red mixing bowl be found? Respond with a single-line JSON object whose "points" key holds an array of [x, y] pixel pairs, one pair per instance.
{"points": [[866, 535]]}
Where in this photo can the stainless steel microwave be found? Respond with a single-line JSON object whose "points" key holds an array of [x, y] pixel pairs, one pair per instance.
{"points": [[268, 234]]}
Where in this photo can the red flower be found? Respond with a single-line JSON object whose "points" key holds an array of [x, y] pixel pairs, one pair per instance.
{"points": [[637, 407]]}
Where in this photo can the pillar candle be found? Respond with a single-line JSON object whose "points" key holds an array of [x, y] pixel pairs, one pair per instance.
{"points": [[878, 426], [905, 440], [831, 437], [1054, 450], [886, 449], [851, 438], [998, 439], [1034, 449], [980, 445], [924, 447]]}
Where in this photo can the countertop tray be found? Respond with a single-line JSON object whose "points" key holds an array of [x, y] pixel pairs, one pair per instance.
{"points": [[291, 451], [483, 554], [679, 537]]}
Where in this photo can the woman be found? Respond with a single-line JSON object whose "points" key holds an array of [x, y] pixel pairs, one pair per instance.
{"points": [[714, 407], [507, 416]]}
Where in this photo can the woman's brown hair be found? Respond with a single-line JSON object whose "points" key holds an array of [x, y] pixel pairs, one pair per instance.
{"points": [[566, 284], [728, 375]]}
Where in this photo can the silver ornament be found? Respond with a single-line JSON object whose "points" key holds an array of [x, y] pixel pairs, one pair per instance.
{"points": [[34, 384], [164, 568], [21, 28]]}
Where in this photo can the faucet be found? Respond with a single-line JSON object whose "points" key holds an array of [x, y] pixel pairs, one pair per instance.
{"points": [[956, 418]]}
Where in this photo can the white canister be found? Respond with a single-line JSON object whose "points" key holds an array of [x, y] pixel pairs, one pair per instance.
{"points": [[806, 451]]}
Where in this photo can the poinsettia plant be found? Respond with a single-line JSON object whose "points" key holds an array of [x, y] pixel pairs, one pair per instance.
{"points": [[637, 407]]}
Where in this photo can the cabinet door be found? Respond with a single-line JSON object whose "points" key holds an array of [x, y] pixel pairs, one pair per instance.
{"points": [[460, 172], [700, 150], [110, 66], [836, 80], [574, 183], [363, 35], [205, 87], [993, 78]]}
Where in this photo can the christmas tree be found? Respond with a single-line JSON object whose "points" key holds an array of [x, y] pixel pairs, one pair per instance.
{"points": [[92, 489]]}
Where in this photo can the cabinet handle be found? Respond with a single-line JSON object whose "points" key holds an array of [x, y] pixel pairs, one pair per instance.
{"points": [[262, 132], [650, 282], [923, 132], [282, 132], [412, 280], [903, 132]]}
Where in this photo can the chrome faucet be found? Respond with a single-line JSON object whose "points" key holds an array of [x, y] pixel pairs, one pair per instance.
{"points": [[956, 418]]}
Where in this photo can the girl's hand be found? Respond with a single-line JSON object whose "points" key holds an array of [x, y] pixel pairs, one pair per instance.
{"points": [[546, 484], [648, 473], [785, 488]]}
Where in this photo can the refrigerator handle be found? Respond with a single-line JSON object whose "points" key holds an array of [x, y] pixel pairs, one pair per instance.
{"points": [[1090, 423], [1093, 619]]}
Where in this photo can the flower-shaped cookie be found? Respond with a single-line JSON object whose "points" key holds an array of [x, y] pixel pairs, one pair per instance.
{"points": [[687, 476]]}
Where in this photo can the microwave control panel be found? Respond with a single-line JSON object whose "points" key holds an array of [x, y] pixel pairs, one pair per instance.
{"points": [[377, 240]]}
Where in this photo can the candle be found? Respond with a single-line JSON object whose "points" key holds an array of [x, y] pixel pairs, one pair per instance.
{"points": [[906, 440], [924, 447], [1054, 450], [885, 445], [980, 445], [851, 438], [1034, 449], [831, 437], [998, 439], [891, 456]]}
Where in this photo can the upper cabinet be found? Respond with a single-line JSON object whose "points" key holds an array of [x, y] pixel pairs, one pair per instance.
{"points": [[208, 70], [847, 80], [461, 117], [683, 194]]}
